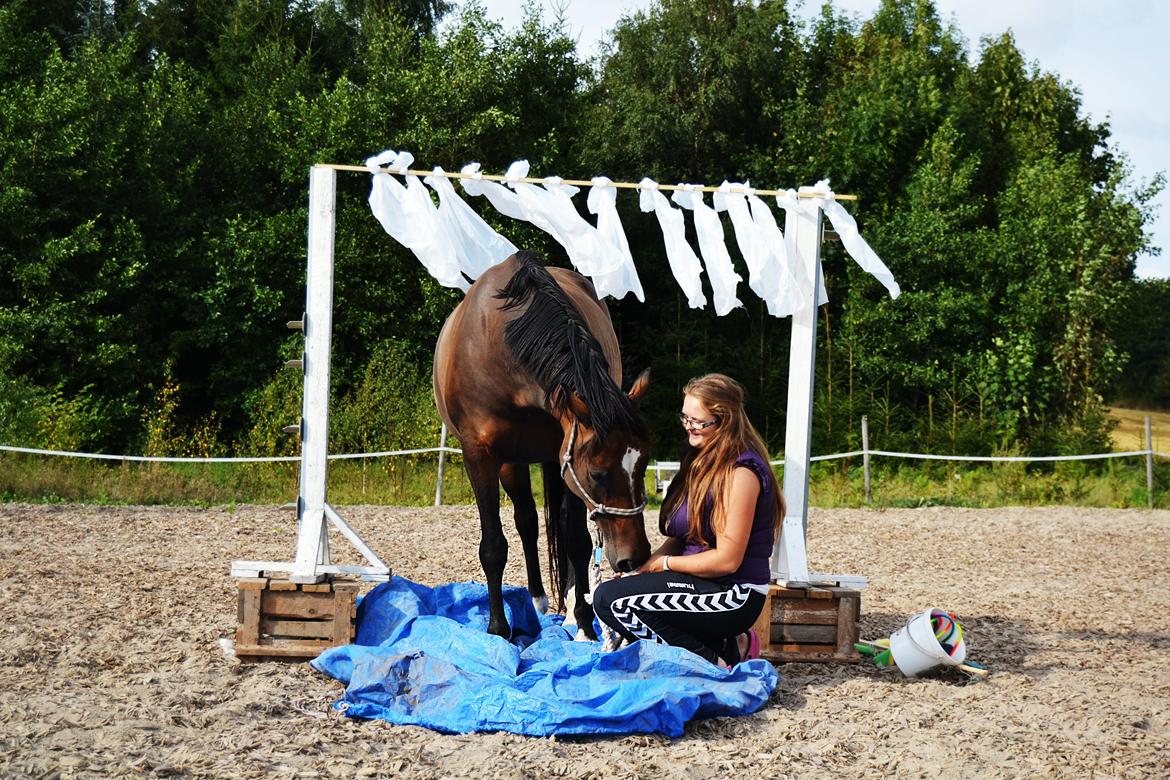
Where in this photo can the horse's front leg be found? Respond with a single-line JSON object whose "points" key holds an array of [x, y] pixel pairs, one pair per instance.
{"points": [[518, 485], [579, 549], [483, 472]]}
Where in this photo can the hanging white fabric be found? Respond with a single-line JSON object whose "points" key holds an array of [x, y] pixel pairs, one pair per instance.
{"points": [[581, 240], [715, 257], [477, 246], [502, 199], [788, 297], [684, 263], [550, 208], [454, 244], [409, 215], [800, 271], [602, 202], [767, 277], [857, 247]]}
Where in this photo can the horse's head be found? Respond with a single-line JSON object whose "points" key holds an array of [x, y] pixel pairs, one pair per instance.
{"points": [[607, 471]]}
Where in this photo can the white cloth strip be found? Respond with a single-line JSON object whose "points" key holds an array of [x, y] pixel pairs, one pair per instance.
{"points": [[788, 297], [551, 209], [409, 215], [857, 247], [767, 277], [789, 201], [477, 246], [602, 201], [587, 252], [684, 263], [716, 260], [502, 199]]}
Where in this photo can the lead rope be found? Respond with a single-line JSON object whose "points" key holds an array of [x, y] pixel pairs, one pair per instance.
{"points": [[610, 639]]}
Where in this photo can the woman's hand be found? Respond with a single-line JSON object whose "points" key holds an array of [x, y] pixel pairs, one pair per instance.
{"points": [[671, 546], [652, 564]]}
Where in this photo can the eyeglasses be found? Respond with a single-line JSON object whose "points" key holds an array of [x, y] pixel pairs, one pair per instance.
{"points": [[698, 425]]}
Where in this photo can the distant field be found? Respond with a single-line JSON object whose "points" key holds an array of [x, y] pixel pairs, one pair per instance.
{"points": [[1130, 433]]}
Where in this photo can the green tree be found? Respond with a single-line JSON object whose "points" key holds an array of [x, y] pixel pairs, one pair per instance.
{"points": [[1143, 335]]}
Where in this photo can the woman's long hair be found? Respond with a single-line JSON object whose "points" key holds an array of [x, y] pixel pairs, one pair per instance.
{"points": [[707, 472]]}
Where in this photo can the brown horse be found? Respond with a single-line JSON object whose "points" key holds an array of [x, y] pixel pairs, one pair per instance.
{"points": [[528, 370]]}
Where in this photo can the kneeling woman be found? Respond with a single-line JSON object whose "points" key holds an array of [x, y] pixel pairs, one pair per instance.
{"points": [[704, 587]]}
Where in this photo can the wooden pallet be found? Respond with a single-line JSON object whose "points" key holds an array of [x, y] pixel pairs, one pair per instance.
{"points": [[814, 624], [282, 619]]}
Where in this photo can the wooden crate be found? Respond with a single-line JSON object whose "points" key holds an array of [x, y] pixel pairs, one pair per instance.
{"points": [[815, 624], [282, 619]]}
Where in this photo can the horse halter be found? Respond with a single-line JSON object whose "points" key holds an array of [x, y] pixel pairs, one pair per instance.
{"points": [[596, 507]]}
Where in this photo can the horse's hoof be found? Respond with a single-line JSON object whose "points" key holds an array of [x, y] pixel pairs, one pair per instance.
{"points": [[540, 604]]}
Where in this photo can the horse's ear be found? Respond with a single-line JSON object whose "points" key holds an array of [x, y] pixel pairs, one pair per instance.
{"points": [[641, 386], [577, 406]]}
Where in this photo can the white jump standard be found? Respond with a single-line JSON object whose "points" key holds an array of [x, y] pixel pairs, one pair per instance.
{"points": [[312, 562]]}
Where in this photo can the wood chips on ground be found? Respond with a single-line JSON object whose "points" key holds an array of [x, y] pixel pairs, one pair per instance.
{"points": [[111, 664]]}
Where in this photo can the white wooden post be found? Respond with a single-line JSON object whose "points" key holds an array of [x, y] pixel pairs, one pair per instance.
{"points": [[865, 453], [312, 535], [312, 563], [803, 237], [789, 556], [442, 459], [1149, 464]]}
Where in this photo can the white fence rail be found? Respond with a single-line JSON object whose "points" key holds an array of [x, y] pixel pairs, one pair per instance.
{"points": [[663, 470]]}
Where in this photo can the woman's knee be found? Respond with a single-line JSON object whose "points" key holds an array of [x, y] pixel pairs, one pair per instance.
{"points": [[605, 595]]}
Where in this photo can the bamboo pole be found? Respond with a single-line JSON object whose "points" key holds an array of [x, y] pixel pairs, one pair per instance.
{"points": [[621, 185]]}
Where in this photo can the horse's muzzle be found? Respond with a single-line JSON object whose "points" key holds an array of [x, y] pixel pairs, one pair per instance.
{"points": [[626, 565]]}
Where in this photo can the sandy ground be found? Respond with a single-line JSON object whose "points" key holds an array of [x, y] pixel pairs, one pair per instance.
{"points": [[111, 665]]}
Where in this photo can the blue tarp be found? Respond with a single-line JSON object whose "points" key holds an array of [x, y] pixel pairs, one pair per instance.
{"points": [[423, 657]]}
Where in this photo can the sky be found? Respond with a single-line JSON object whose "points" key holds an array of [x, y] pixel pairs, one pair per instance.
{"points": [[1113, 51]]}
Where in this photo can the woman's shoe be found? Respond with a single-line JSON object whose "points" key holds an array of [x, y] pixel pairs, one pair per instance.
{"points": [[753, 647]]}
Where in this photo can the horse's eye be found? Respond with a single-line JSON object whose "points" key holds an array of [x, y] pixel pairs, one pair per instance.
{"points": [[598, 477]]}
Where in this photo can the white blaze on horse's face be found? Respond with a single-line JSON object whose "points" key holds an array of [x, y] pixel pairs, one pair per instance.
{"points": [[629, 461]]}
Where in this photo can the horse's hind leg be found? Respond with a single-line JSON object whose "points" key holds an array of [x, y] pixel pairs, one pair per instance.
{"points": [[483, 472], [518, 485]]}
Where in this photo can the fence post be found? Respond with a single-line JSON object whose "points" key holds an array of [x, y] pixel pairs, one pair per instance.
{"points": [[442, 459], [865, 453], [1149, 464]]}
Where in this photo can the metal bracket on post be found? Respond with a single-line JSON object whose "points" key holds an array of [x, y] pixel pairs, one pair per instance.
{"points": [[312, 563]]}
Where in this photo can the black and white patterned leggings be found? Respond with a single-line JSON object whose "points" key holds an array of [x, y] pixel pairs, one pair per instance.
{"points": [[702, 616]]}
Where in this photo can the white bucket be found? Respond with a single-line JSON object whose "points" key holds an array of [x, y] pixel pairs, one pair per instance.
{"points": [[915, 648]]}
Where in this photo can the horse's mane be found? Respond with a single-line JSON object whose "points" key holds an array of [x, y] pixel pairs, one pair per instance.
{"points": [[554, 345]]}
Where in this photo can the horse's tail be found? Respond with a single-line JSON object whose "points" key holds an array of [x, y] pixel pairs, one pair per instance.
{"points": [[555, 513]]}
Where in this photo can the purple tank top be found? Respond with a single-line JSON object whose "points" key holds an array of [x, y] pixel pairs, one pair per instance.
{"points": [[755, 568]]}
